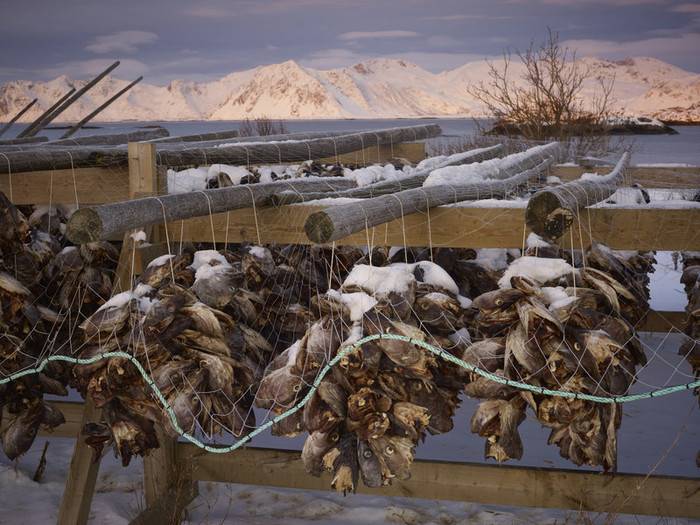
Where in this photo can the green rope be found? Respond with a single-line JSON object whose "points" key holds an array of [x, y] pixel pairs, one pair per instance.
{"points": [[345, 351]]}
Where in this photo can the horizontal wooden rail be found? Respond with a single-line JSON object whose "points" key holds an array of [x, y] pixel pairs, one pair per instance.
{"points": [[103, 185], [92, 185], [472, 227], [489, 484], [647, 176], [668, 496]]}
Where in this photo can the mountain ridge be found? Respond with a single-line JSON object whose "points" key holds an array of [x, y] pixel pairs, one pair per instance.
{"points": [[375, 88]]}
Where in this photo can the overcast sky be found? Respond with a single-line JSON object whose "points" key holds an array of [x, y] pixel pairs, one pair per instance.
{"points": [[202, 40]]}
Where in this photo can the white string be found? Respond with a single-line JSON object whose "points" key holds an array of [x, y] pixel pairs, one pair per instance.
{"points": [[255, 213], [9, 176], [167, 236], [75, 182], [211, 218]]}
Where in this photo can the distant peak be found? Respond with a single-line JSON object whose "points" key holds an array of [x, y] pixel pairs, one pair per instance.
{"points": [[373, 64]]}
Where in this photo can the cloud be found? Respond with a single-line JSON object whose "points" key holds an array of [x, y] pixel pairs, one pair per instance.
{"points": [[615, 3], [121, 42], [203, 11], [451, 18], [443, 41], [686, 8], [128, 68], [361, 35], [664, 48]]}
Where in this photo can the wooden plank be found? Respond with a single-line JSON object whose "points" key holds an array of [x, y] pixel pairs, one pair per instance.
{"points": [[476, 482], [168, 484], [93, 186], [142, 169], [647, 176], [414, 152], [82, 475], [662, 321], [474, 227]]}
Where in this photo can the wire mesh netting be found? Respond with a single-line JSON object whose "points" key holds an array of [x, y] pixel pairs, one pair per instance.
{"points": [[366, 349]]}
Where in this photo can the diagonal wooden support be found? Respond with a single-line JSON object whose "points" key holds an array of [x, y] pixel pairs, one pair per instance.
{"points": [[84, 467]]}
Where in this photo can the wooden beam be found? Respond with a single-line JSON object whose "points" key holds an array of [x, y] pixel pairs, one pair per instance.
{"points": [[414, 152], [93, 186], [99, 109], [82, 475], [551, 211], [662, 321], [336, 222], [647, 176], [475, 482], [465, 226]]}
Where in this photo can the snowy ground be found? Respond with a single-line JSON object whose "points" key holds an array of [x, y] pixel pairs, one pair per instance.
{"points": [[660, 436]]}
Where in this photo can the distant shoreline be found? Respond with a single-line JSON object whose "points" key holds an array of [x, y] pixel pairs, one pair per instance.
{"points": [[98, 124]]}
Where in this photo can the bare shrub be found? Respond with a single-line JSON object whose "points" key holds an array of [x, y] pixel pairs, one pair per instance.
{"points": [[546, 102], [261, 126]]}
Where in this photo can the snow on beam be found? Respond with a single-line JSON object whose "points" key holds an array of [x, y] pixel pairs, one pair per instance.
{"points": [[551, 211]]}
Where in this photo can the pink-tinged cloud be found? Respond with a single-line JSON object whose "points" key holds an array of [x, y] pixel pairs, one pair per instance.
{"points": [[121, 42], [363, 35]]}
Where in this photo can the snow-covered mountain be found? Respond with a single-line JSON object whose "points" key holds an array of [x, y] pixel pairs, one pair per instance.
{"points": [[378, 88]]}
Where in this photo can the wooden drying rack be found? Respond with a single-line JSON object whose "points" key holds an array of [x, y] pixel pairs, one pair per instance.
{"points": [[172, 471]]}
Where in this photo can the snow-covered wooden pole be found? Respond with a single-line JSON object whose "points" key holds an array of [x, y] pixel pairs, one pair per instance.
{"points": [[111, 139], [243, 153], [336, 222], [550, 212], [101, 222], [384, 187]]}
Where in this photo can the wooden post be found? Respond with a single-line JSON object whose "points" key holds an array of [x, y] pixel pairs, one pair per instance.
{"points": [[82, 475], [162, 478], [84, 467]]}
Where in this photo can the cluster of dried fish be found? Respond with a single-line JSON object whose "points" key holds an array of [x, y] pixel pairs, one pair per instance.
{"points": [[28, 334], [199, 323], [690, 279], [28, 328], [561, 328], [372, 409], [38, 278]]}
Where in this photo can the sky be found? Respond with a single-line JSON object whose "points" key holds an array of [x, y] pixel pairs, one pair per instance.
{"points": [[203, 40]]}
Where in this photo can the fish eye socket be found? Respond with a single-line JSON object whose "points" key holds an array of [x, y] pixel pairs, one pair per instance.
{"points": [[577, 346], [499, 302], [389, 450], [296, 388], [335, 436], [367, 454]]}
